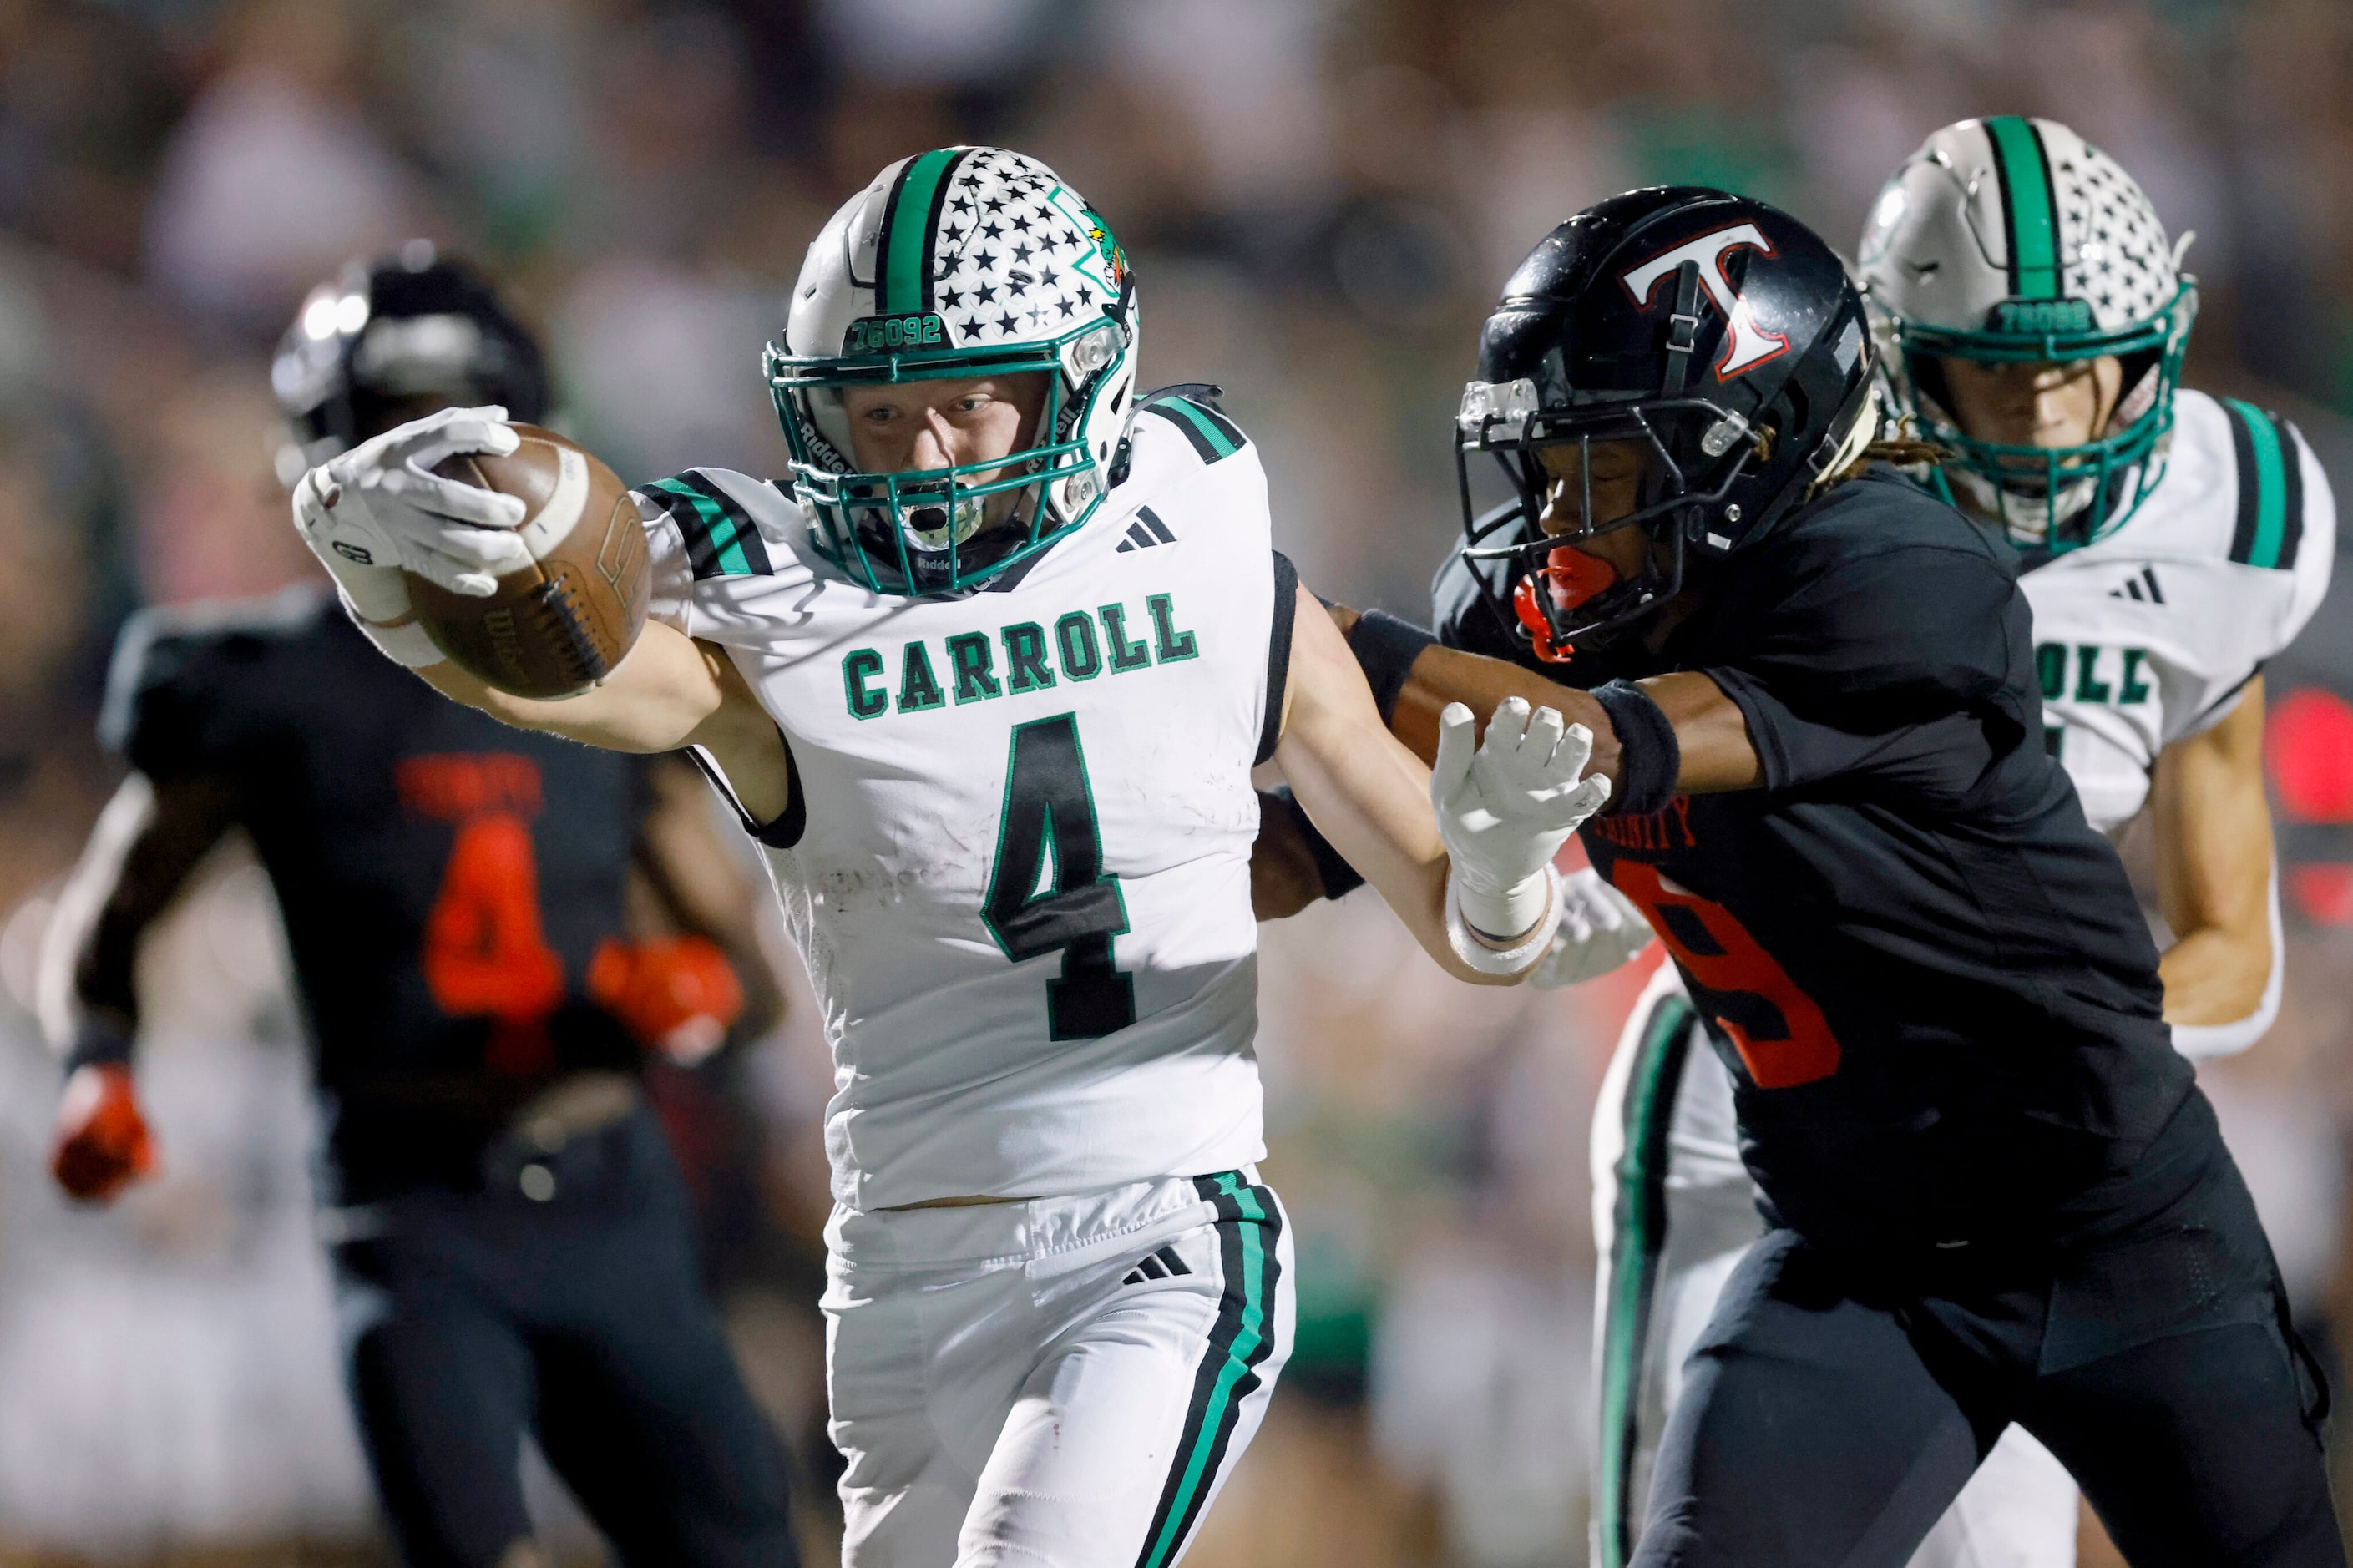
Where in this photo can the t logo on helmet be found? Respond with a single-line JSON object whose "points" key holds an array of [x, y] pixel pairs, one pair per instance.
{"points": [[1746, 345]]}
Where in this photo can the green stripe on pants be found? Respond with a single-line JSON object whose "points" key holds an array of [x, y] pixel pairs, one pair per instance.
{"points": [[1637, 1239], [1212, 1419]]}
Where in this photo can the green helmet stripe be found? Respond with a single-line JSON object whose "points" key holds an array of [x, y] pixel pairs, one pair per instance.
{"points": [[2026, 199], [903, 251]]}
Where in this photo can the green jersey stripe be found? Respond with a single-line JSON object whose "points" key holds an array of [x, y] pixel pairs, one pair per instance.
{"points": [[2026, 200], [1638, 1235], [2291, 493], [2262, 535], [1240, 1341], [741, 552], [903, 258], [1208, 434], [722, 541]]}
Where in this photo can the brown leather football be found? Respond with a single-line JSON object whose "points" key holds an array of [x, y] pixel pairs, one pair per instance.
{"points": [[559, 625]]}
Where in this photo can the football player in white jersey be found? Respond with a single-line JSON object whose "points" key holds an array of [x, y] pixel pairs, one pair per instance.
{"points": [[988, 679], [2033, 315]]}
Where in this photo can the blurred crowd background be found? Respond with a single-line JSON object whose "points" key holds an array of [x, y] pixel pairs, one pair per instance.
{"points": [[1321, 197]]}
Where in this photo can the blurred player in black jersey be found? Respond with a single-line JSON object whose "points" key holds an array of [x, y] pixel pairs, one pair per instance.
{"points": [[512, 1243], [1994, 1192]]}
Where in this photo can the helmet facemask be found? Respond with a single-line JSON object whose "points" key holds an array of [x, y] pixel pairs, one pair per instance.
{"points": [[1676, 502], [1550, 597], [2054, 498], [945, 530]]}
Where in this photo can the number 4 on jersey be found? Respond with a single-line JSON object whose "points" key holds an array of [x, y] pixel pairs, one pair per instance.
{"points": [[486, 951], [1048, 892]]}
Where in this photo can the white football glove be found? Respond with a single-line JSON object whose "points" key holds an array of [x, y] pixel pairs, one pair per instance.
{"points": [[1600, 929], [1503, 812], [378, 509]]}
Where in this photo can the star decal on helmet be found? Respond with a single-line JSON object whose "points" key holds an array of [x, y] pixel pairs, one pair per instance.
{"points": [[987, 291]]}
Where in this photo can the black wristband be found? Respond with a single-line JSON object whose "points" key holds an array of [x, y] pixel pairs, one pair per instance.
{"points": [[1332, 868], [98, 1043], [1386, 647], [1650, 758]]}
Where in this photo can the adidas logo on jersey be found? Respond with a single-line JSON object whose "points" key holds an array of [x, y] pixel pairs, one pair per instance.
{"points": [[1161, 1265], [2142, 587], [1082, 646], [1145, 531]]}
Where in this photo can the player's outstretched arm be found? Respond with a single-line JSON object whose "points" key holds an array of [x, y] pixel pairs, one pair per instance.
{"points": [[148, 841], [1712, 750], [2215, 884], [1464, 855], [671, 691]]}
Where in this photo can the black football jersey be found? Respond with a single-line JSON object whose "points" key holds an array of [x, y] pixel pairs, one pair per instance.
{"points": [[1930, 977], [446, 879]]}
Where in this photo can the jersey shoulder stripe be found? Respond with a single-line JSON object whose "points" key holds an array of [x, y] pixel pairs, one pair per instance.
{"points": [[2269, 528], [722, 539], [1192, 408]]}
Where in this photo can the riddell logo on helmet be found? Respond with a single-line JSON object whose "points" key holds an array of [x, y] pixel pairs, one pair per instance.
{"points": [[1746, 345]]}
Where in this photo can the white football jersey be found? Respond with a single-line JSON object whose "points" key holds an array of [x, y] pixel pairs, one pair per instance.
{"points": [[2150, 634], [1018, 862]]}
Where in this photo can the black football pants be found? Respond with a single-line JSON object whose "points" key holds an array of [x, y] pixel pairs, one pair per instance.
{"points": [[1836, 1405], [571, 1309]]}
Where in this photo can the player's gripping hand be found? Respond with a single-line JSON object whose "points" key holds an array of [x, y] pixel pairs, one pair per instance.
{"points": [[102, 1145], [1503, 810], [378, 508], [1600, 929]]}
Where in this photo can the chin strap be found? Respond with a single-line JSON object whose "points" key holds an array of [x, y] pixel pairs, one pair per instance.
{"points": [[1683, 329]]}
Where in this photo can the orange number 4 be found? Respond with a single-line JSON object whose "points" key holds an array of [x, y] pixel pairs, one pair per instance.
{"points": [[1788, 1041], [485, 949]]}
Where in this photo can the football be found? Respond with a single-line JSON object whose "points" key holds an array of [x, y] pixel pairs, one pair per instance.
{"points": [[556, 627]]}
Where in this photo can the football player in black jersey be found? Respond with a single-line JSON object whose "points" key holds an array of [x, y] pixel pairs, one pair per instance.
{"points": [[512, 1240], [1996, 1194]]}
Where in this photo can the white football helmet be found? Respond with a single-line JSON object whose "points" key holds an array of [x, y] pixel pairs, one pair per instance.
{"points": [[963, 261], [2010, 240]]}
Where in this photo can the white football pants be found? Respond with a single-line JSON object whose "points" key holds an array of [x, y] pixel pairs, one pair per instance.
{"points": [[1674, 1210], [1063, 1383]]}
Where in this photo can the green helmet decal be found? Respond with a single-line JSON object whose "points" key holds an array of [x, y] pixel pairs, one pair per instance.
{"points": [[957, 263], [2012, 241], [911, 222], [2032, 220]]}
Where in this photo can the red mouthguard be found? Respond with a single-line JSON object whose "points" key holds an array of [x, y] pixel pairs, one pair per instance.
{"points": [[1524, 604], [1572, 577]]}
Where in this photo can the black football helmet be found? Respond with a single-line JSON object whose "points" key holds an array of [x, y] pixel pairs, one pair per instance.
{"points": [[1720, 331], [372, 344]]}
